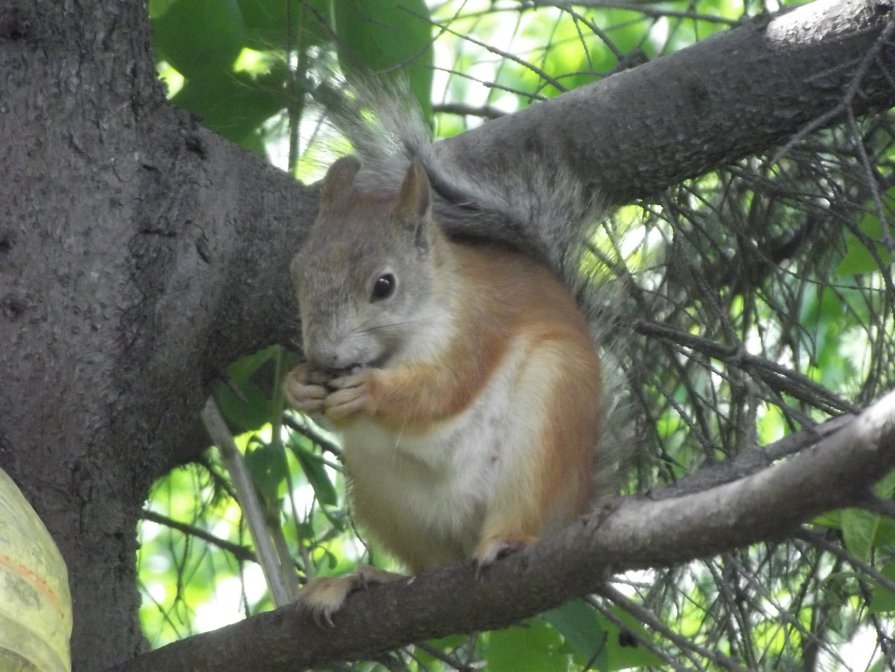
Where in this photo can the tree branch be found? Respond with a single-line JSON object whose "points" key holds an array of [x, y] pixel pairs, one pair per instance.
{"points": [[237, 551], [735, 94], [631, 533]]}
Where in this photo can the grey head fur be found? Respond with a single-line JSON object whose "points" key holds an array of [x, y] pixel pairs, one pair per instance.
{"points": [[366, 278]]}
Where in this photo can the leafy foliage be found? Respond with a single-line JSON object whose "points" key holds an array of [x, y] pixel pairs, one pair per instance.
{"points": [[771, 280]]}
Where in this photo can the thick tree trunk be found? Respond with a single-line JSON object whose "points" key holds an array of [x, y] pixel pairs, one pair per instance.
{"points": [[127, 235], [139, 253], [75, 76]]}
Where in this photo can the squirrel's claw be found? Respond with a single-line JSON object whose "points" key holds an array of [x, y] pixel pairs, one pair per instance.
{"points": [[324, 596], [493, 549]]}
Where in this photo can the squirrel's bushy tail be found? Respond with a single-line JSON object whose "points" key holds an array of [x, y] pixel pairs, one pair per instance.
{"points": [[545, 210]]}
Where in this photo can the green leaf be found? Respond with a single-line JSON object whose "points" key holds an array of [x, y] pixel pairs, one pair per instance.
{"points": [[884, 599], [599, 643], [248, 413], [315, 471], [233, 104], [446, 645], [266, 23], [244, 367], [879, 665], [885, 487], [859, 530], [885, 535], [159, 7], [581, 627], [831, 519], [871, 254], [267, 465], [532, 648], [387, 39], [200, 36]]}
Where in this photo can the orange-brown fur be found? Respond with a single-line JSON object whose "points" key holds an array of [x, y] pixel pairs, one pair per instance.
{"points": [[507, 297], [501, 386]]}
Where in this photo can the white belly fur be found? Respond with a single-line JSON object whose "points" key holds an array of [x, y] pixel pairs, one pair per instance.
{"points": [[435, 487]]}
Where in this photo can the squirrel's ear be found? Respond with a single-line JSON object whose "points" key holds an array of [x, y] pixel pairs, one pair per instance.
{"points": [[415, 198], [338, 180]]}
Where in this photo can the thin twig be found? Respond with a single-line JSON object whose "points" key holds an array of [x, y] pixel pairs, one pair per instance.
{"points": [[281, 579], [239, 552], [647, 617]]}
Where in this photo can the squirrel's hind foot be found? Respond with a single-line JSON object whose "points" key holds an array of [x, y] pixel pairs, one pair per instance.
{"points": [[494, 548], [325, 595]]}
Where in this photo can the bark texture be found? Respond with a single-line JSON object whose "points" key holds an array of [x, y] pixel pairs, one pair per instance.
{"points": [[128, 241], [139, 253]]}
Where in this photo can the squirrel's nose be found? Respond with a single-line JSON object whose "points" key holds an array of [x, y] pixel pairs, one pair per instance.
{"points": [[321, 360], [325, 355]]}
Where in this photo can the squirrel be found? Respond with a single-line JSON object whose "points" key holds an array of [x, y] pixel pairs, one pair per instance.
{"points": [[461, 375]]}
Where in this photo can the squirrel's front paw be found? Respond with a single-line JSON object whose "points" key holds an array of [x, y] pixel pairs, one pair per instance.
{"points": [[348, 395], [303, 390]]}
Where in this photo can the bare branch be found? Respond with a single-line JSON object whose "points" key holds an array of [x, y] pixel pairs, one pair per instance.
{"points": [[646, 617], [278, 569], [237, 551]]}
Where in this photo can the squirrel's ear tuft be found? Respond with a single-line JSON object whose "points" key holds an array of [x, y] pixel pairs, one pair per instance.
{"points": [[414, 199], [338, 180]]}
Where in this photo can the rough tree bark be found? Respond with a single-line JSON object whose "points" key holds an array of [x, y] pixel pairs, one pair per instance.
{"points": [[139, 253]]}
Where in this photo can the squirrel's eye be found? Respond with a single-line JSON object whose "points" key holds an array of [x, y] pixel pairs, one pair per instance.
{"points": [[383, 287]]}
